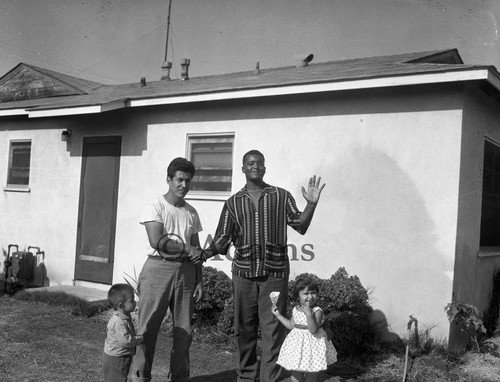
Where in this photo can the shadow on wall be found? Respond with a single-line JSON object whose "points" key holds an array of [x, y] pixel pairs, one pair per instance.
{"points": [[132, 124], [131, 127], [384, 227]]}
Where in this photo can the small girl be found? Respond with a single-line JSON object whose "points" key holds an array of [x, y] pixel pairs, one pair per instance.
{"points": [[306, 350]]}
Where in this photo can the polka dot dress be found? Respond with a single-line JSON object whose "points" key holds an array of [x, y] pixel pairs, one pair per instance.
{"points": [[304, 351]]}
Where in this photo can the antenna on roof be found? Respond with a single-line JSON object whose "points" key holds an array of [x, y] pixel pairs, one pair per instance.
{"points": [[167, 65]]}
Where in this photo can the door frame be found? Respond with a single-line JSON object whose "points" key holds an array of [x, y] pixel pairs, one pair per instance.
{"points": [[85, 141]]}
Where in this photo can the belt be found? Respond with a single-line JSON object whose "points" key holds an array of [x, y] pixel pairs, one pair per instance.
{"points": [[299, 326], [178, 259]]}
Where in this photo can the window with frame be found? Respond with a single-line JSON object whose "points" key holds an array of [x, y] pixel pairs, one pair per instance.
{"points": [[212, 156], [18, 174], [490, 210]]}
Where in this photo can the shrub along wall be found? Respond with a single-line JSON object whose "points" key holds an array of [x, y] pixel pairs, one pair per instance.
{"points": [[343, 299], [217, 290], [345, 303]]}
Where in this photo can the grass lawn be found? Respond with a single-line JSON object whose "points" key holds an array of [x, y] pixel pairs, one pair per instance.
{"points": [[42, 342], [45, 342]]}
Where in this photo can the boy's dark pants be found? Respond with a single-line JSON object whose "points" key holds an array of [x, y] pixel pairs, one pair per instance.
{"points": [[251, 306], [116, 368]]}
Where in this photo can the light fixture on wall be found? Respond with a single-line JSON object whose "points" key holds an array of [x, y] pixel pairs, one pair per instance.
{"points": [[65, 135]]}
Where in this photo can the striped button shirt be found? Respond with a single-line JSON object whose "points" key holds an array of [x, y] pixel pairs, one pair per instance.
{"points": [[258, 233]]}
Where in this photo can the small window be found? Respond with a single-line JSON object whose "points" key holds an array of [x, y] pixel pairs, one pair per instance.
{"points": [[212, 156], [19, 164], [490, 211]]}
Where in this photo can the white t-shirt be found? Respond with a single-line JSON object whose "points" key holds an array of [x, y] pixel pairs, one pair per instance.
{"points": [[179, 222]]}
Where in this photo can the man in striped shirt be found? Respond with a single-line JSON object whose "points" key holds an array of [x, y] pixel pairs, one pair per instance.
{"points": [[255, 221]]}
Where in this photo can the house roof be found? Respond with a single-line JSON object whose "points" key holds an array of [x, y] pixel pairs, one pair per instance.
{"points": [[395, 70]]}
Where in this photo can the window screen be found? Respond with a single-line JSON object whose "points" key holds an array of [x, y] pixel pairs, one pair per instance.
{"points": [[490, 211], [19, 164], [212, 157]]}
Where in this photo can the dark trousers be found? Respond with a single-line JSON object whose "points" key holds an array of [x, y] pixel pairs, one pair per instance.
{"points": [[115, 369], [252, 306]]}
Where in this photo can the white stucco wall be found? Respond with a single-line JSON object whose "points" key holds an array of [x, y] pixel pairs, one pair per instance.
{"points": [[387, 214], [45, 217]]}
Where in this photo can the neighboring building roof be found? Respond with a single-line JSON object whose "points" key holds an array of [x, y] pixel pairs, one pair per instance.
{"points": [[396, 70], [80, 83], [30, 82]]}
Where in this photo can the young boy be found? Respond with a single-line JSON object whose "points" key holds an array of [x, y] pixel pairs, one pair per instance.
{"points": [[121, 339]]}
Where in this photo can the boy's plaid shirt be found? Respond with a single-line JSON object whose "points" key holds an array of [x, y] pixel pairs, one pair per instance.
{"points": [[258, 235]]}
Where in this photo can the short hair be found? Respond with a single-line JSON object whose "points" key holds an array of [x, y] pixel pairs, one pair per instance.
{"points": [[119, 293], [303, 283], [252, 152], [180, 164]]}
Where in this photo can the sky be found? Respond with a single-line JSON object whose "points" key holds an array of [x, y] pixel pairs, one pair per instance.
{"points": [[120, 41]]}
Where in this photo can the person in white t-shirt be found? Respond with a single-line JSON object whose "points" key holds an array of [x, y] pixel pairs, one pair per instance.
{"points": [[171, 276]]}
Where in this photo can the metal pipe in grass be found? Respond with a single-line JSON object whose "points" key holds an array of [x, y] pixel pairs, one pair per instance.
{"points": [[412, 320]]}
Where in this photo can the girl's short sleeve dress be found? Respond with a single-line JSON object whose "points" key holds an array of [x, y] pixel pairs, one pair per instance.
{"points": [[304, 351]]}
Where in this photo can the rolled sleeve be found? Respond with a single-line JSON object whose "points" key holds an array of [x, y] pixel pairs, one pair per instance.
{"points": [[151, 213]]}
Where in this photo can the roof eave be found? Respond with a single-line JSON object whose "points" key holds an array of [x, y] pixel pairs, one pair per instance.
{"points": [[494, 79], [488, 74], [327, 86], [76, 110]]}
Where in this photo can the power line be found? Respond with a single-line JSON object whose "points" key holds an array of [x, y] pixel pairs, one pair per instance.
{"points": [[121, 49], [24, 54], [173, 54], [37, 58], [153, 49]]}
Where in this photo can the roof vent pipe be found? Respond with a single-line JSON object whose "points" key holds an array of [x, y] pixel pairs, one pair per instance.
{"points": [[303, 62], [257, 68], [185, 62], [165, 68]]}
